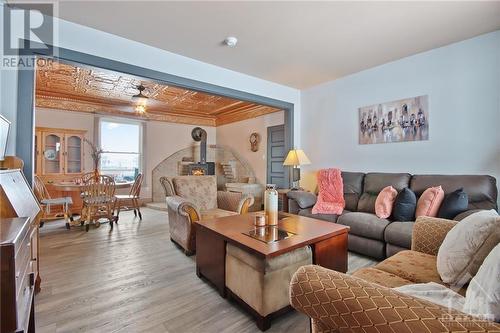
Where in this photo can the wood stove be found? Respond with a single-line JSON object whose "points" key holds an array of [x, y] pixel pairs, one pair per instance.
{"points": [[202, 168]]}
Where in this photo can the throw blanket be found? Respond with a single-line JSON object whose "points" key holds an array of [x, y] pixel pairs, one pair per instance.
{"points": [[331, 192]]}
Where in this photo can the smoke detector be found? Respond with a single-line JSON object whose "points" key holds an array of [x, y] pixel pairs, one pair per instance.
{"points": [[231, 41]]}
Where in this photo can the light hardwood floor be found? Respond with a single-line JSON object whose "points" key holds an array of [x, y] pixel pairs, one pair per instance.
{"points": [[133, 279]]}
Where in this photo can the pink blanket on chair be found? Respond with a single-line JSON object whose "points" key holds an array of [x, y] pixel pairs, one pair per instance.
{"points": [[331, 192]]}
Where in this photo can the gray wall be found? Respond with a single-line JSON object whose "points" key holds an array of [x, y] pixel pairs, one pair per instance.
{"points": [[463, 84]]}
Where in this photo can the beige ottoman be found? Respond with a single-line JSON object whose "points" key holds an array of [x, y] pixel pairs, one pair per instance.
{"points": [[263, 284]]}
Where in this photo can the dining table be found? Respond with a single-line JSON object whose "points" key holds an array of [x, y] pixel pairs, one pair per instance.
{"points": [[73, 190]]}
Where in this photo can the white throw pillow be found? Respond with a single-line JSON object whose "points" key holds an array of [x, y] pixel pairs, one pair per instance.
{"points": [[466, 245], [483, 295], [435, 293]]}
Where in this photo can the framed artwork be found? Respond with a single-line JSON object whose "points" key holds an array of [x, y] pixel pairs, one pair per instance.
{"points": [[397, 121]]}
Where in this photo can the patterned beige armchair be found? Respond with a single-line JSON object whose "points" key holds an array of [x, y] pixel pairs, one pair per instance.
{"points": [[366, 302], [193, 198]]}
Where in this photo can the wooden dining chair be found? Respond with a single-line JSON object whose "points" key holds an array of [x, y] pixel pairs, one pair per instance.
{"points": [[46, 202], [130, 201], [98, 200], [86, 176]]}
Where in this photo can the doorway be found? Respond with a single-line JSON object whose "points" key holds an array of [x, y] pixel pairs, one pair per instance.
{"points": [[276, 152], [26, 91]]}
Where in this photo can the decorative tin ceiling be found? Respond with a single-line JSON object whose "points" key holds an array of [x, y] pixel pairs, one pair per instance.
{"points": [[93, 90]]}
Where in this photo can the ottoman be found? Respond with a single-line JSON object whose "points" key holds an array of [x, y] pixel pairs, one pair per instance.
{"points": [[262, 284]]}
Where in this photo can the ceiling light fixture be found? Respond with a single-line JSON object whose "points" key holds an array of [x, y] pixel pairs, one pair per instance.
{"points": [[231, 41], [140, 100]]}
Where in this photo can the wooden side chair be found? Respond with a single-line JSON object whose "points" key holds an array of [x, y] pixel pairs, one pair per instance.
{"points": [[130, 201], [47, 203], [86, 176], [98, 200]]}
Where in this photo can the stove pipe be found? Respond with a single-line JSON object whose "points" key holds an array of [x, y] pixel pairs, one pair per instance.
{"points": [[199, 134]]}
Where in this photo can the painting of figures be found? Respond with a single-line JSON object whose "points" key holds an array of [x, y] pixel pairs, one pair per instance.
{"points": [[402, 120]]}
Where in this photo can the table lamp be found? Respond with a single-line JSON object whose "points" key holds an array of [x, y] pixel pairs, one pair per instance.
{"points": [[296, 158]]}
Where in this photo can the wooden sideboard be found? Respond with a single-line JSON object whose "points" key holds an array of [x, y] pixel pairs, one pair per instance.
{"points": [[17, 275], [20, 279]]}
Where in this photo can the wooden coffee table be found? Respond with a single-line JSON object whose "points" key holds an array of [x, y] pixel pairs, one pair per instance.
{"points": [[327, 240]]}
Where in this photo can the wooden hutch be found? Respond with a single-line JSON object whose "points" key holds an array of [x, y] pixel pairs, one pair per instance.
{"points": [[59, 157]]}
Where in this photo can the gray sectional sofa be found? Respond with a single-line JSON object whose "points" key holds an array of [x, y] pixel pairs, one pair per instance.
{"points": [[380, 238]]}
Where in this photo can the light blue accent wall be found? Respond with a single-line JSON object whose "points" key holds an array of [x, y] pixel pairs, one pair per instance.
{"points": [[462, 81]]}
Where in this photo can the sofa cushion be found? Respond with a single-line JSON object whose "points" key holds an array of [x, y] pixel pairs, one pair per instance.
{"points": [[364, 224], [325, 217], [399, 233], [374, 183], [454, 203], [410, 265], [353, 187], [482, 190], [200, 190], [391, 249], [466, 245], [303, 198], [373, 248], [429, 233], [382, 278], [404, 206]]}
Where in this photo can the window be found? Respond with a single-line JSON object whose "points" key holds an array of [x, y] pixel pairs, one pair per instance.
{"points": [[121, 142]]}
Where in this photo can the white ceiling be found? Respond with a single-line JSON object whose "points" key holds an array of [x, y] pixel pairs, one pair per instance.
{"points": [[298, 44]]}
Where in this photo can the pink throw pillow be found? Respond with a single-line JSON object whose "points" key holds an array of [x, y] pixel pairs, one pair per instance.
{"points": [[429, 202], [385, 201]]}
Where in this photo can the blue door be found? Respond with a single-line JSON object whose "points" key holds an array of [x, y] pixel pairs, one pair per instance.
{"points": [[276, 173]]}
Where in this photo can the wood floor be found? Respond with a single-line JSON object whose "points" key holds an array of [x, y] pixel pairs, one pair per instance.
{"points": [[133, 279]]}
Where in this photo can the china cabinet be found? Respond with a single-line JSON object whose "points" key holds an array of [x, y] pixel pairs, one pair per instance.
{"points": [[59, 158], [58, 152]]}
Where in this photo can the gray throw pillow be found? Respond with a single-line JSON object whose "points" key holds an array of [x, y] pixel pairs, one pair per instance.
{"points": [[304, 199]]}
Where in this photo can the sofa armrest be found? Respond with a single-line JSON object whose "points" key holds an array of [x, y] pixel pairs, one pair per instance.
{"points": [[183, 207], [342, 303], [303, 199], [233, 201], [293, 206], [463, 215], [429, 233]]}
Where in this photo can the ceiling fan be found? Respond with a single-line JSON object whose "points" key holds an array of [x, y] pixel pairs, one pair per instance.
{"points": [[140, 100]]}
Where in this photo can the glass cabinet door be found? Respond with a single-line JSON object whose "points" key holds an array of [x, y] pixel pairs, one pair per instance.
{"points": [[74, 153], [52, 162]]}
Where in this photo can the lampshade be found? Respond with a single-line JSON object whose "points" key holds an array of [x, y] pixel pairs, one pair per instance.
{"points": [[296, 157]]}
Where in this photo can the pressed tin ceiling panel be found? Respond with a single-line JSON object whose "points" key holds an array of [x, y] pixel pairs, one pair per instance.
{"points": [[86, 89]]}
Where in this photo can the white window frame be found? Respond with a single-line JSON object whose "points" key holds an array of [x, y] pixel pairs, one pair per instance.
{"points": [[142, 131]]}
